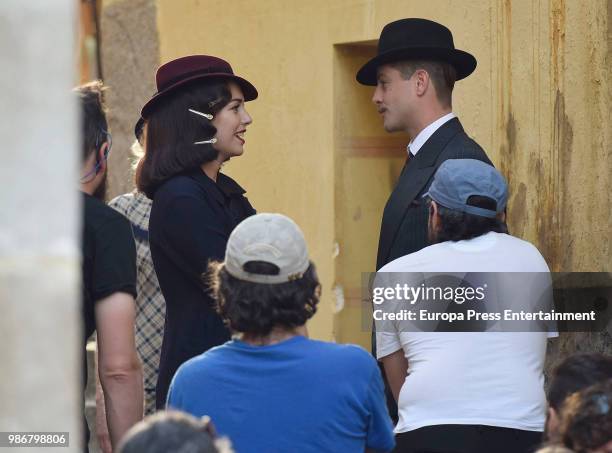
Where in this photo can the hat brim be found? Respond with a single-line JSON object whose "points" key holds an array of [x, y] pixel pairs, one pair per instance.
{"points": [[248, 89], [138, 128], [463, 62]]}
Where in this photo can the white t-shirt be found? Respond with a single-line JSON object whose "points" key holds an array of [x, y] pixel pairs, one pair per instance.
{"points": [[471, 378]]}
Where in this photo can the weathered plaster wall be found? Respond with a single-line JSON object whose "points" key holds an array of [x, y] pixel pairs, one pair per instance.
{"points": [[130, 56], [538, 103], [554, 140]]}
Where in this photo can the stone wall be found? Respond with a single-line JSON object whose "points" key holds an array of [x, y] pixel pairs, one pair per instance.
{"points": [[130, 55]]}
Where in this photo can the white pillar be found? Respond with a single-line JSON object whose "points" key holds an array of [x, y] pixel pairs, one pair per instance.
{"points": [[40, 321]]}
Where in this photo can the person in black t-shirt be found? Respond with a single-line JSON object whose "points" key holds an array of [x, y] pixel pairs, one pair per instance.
{"points": [[109, 275]]}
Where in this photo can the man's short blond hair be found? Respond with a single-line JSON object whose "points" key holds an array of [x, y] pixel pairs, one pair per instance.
{"points": [[443, 76]]}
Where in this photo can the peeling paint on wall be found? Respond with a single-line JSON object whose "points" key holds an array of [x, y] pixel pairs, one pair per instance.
{"points": [[562, 141]]}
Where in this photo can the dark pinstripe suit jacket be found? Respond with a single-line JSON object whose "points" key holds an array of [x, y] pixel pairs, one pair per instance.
{"points": [[404, 223]]}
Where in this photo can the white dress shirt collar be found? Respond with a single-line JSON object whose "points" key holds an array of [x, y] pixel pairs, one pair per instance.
{"points": [[415, 145]]}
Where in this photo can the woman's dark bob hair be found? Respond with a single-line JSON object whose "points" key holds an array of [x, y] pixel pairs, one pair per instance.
{"points": [[172, 131], [257, 308]]}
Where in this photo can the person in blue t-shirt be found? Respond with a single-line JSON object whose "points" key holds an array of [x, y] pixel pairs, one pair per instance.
{"points": [[272, 389]]}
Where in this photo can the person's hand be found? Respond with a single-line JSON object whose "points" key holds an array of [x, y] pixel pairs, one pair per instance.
{"points": [[101, 426]]}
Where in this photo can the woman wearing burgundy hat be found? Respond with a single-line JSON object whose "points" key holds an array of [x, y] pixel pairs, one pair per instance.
{"points": [[195, 122]]}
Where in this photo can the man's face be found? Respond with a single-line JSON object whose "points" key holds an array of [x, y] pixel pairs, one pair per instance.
{"points": [[394, 98]]}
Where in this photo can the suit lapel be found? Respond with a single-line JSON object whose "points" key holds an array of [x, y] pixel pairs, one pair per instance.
{"points": [[412, 180]]}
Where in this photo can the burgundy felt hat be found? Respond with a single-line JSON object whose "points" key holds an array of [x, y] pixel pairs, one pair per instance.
{"points": [[176, 73]]}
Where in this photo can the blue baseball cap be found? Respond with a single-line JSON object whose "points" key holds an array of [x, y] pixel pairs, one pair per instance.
{"points": [[458, 179]]}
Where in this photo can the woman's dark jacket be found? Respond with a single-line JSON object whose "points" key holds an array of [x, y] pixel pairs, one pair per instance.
{"points": [[191, 220]]}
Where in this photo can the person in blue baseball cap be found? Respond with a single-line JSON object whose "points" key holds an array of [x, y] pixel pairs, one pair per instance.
{"points": [[467, 199], [474, 390]]}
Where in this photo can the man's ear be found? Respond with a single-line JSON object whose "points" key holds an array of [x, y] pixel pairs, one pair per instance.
{"points": [[422, 81], [552, 423], [101, 157], [433, 208]]}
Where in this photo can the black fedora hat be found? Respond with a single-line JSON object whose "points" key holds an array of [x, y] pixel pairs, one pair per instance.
{"points": [[176, 73], [416, 39]]}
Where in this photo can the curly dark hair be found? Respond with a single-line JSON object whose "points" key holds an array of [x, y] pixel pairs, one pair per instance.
{"points": [[575, 373], [172, 131], [458, 225], [257, 308], [586, 418]]}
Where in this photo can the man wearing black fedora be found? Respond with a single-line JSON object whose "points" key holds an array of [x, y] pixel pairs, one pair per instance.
{"points": [[414, 73]]}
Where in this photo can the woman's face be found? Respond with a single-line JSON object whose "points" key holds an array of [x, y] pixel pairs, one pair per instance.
{"points": [[231, 123]]}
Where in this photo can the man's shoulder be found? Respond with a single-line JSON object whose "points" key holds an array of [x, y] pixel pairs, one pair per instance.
{"points": [[413, 262], [135, 206], [341, 355], [462, 146], [98, 214], [122, 202], [203, 364], [525, 250], [436, 256]]}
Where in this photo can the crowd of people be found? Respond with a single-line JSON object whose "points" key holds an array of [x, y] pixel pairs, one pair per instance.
{"points": [[200, 304]]}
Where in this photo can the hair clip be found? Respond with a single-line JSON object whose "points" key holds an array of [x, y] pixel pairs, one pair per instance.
{"points": [[211, 104], [203, 142], [208, 116]]}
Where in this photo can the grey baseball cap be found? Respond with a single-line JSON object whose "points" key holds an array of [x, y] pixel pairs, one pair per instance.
{"points": [[271, 238], [458, 179]]}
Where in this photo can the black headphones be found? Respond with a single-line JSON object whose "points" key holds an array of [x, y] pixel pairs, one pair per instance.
{"points": [[109, 140]]}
